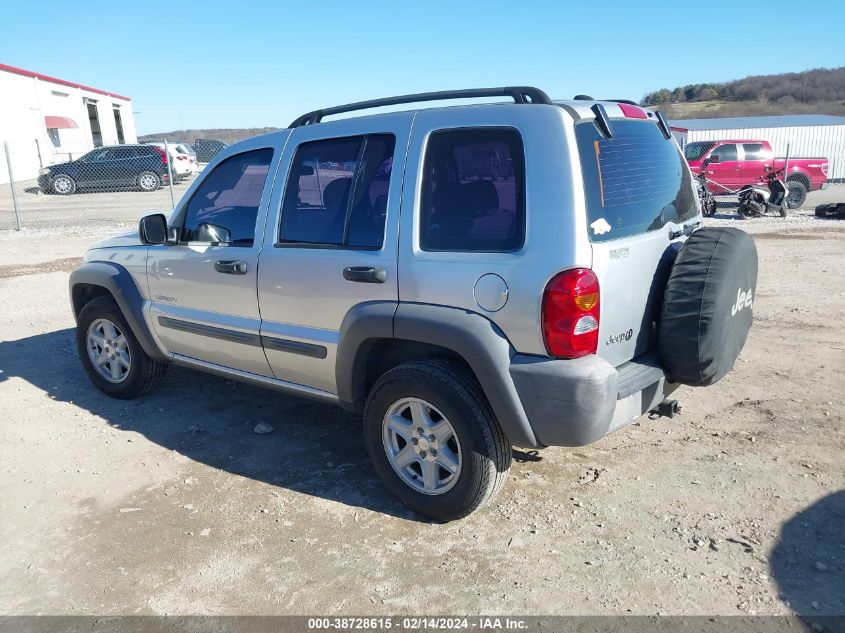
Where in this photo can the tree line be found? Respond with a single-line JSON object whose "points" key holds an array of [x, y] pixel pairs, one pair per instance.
{"points": [[812, 86]]}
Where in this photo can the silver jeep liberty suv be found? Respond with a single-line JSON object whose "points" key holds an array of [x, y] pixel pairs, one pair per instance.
{"points": [[467, 278]]}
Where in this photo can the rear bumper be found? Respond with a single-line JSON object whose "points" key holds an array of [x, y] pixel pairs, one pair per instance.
{"points": [[576, 402]]}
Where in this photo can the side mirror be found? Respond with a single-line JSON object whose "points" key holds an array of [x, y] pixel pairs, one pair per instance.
{"points": [[212, 233], [713, 159], [152, 229], [767, 168]]}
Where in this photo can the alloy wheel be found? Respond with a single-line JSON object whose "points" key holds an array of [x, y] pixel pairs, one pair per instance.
{"points": [[62, 185], [108, 350], [147, 182], [421, 446]]}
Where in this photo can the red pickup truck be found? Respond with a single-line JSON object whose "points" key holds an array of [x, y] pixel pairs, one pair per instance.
{"points": [[732, 164]]}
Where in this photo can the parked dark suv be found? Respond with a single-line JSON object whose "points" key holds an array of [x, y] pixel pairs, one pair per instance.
{"points": [[116, 167]]}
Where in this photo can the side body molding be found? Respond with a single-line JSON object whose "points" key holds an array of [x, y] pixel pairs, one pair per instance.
{"points": [[117, 280]]}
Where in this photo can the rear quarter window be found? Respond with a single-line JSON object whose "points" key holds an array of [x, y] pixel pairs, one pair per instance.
{"points": [[473, 197], [634, 182]]}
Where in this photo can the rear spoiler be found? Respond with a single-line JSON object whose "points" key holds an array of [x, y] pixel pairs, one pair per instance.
{"points": [[603, 121]]}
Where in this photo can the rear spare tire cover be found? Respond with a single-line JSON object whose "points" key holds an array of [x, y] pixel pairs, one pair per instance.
{"points": [[707, 306]]}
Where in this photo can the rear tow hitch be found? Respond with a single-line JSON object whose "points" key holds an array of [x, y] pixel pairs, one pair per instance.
{"points": [[666, 409]]}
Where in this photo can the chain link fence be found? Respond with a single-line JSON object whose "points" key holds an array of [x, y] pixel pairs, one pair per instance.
{"points": [[83, 185]]}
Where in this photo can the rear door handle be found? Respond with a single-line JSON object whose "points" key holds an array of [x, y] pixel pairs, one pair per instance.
{"points": [[365, 274], [230, 267]]}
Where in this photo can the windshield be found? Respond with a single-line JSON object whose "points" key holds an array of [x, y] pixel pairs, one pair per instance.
{"points": [[694, 151], [634, 182]]}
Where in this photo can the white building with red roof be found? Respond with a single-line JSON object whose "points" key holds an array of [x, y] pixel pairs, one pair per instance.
{"points": [[47, 120]]}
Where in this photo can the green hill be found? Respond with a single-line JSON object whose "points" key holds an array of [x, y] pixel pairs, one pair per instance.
{"points": [[228, 135], [817, 91]]}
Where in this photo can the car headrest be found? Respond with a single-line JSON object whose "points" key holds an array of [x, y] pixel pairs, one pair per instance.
{"points": [[480, 195], [336, 194]]}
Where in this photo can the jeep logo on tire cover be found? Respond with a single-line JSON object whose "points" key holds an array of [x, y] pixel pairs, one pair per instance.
{"points": [[743, 300], [618, 338]]}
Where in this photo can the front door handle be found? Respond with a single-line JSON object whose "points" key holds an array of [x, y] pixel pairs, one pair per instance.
{"points": [[365, 274], [230, 267]]}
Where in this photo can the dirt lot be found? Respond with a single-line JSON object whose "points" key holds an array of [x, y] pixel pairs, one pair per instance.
{"points": [[172, 505]]}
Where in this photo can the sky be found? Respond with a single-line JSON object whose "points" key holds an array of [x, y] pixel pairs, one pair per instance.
{"points": [[189, 64]]}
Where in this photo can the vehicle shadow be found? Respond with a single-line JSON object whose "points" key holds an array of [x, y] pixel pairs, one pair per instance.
{"points": [[808, 561], [316, 449]]}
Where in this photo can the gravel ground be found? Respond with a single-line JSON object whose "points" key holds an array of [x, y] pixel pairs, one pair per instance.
{"points": [[88, 208], [172, 504], [797, 220]]}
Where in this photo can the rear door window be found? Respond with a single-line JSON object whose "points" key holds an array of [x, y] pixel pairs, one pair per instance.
{"points": [[336, 194], [122, 153], [754, 151], [634, 182]]}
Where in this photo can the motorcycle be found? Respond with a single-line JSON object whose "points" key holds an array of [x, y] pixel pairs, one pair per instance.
{"points": [[708, 202], [758, 200]]}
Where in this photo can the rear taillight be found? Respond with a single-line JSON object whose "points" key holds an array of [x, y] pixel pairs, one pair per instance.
{"points": [[162, 155], [571, 314], [824, 169], [180, 158]]}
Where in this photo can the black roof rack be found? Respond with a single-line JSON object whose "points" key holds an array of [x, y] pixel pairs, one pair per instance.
{"points": [[520, 94]]}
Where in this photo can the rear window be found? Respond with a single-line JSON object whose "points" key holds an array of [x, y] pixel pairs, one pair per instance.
{"points": [[634, 182]]}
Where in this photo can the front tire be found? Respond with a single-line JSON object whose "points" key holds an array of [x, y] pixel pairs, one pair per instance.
{"points": [[63, 185], [433, 439], [148, 181], [111, 355]]}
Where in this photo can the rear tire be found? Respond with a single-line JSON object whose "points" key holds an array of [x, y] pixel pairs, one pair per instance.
{"points": [[148, 181], [796, 194], [111, 355], [475, 459]]}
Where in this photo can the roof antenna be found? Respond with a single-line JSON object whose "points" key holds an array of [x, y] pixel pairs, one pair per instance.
{"points": [[583, 98]]}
